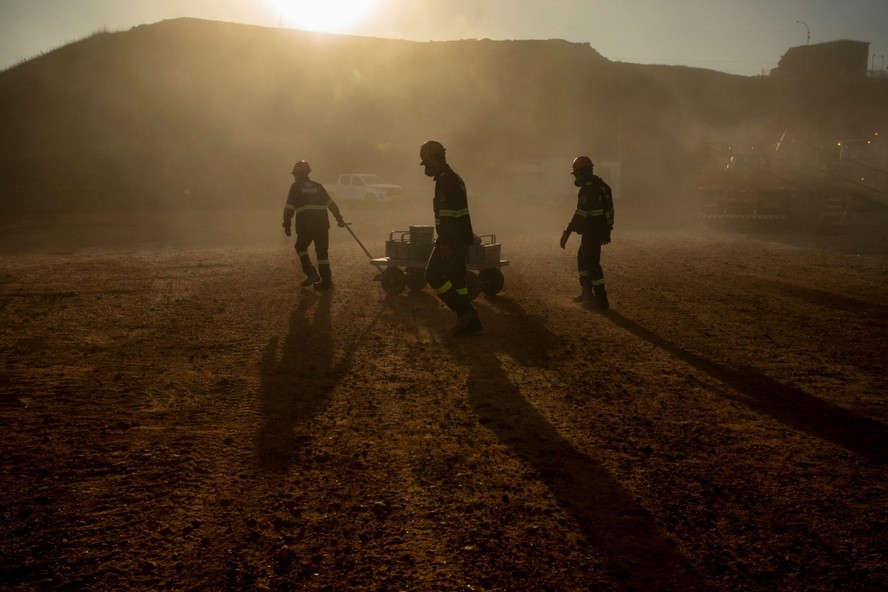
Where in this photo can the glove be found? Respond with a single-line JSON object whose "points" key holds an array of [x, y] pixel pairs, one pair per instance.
{"points": [[342, 223], [607, 238], [287, 230], [564, 236]]}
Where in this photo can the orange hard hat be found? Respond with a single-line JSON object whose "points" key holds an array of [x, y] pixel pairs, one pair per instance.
{"points": [[301, 167], [581, 162], [429, 149]]}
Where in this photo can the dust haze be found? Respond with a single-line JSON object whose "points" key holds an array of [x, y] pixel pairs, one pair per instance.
{"points": [[176, 413], [210, 115]]}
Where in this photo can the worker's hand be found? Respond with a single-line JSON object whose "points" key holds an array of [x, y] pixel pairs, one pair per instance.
{"points": [[607, 238], [342, 223], [287, 230], [564, 236]]}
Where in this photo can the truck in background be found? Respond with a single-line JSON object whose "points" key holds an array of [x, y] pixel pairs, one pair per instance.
{"points": [[365, 189]]}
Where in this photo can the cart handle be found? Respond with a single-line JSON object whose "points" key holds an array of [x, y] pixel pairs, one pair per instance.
{"points": [[401, 232]]}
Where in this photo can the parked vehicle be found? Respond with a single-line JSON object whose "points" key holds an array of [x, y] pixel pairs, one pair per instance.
{"points": [[364, 188]]}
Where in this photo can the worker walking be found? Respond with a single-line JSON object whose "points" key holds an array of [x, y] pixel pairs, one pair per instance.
{"points": [[308, 201], [593, 221], [446, 267]]}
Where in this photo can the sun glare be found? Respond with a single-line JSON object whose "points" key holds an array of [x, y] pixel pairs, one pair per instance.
{"points": [[329, 16]]}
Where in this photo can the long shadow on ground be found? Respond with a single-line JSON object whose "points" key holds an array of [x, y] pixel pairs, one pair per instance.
{"points": [[298, 383], [630, 543], [789, 405]]}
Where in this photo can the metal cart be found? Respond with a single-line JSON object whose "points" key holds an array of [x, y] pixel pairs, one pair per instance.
{"points": [[407, 252]]}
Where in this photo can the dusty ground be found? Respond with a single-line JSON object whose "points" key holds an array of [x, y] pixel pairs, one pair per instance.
{"points": [[175, 413]]}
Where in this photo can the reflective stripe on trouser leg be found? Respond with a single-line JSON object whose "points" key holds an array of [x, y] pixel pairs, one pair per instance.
{"points": [[450, 296], [305, 261], [324, 269], [447, 278], [589, 261]]}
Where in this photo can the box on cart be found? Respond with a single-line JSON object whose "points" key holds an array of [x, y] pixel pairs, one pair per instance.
{"points": [[484, 254]]}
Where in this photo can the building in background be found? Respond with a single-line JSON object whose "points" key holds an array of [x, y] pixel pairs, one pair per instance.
{"points": [[833, 59]]}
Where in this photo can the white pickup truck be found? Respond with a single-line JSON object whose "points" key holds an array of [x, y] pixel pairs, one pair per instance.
{"points": [[364, 188]]}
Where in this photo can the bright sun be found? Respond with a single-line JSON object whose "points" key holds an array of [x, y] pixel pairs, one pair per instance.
{"points": [[330, 16]]}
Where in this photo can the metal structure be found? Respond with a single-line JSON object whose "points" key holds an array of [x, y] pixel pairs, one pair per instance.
{"points": [[790, 183]]}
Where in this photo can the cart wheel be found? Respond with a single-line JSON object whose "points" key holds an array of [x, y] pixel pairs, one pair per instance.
{"points": [[492, 281], [393, 281], [472, 284], [416, 278]]}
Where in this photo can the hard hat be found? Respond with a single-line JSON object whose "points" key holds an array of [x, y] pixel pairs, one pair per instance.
{"points": [[301, 167], [429, 149], [581, 162]]}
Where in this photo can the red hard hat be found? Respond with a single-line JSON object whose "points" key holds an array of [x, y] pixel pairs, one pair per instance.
{"points": [[301, 167], [581, 162], [429, 149]]}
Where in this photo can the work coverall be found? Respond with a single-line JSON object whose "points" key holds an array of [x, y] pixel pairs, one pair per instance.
{"points": [[453, 225], [308, 201], [593, 221]]}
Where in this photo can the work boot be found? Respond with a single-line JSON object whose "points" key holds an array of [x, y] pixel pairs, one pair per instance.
{"points": [[326, 282], [474, 325], [601, 297], [312, 278], [585, 296], [467, 322]]}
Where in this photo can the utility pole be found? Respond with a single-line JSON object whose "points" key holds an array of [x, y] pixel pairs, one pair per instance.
{"points": [[807, 45]]}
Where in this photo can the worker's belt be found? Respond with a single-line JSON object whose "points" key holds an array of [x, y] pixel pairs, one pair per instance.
{"points": [[453, 213], [587, 213], [309, 207]]}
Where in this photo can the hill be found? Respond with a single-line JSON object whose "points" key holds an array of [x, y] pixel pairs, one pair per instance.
{"points": [[207, 113]]}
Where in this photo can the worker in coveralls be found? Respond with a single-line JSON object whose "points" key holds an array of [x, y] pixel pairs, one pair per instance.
{"points": [[308, 201], [593, 221], [446, 268]]}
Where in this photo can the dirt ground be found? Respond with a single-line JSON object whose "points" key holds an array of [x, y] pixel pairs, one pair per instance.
{"points": [[177, 414]]}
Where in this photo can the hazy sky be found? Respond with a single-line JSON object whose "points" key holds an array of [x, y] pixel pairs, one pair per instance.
{"points": [[745, 37]]}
